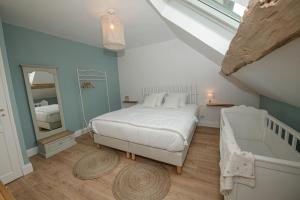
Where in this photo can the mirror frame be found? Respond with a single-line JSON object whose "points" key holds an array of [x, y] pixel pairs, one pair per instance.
{"points": [[53, 70]]}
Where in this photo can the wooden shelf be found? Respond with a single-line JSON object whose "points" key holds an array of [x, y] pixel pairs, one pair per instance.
{"points": [[219, 105], [133, 102], [43, 86]]}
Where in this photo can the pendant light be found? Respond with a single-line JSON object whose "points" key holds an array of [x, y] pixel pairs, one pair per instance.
{"points": [[112, 32]]}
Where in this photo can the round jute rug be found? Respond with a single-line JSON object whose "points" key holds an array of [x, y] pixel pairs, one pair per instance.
{"points": [[95, 164], [141, 181]]}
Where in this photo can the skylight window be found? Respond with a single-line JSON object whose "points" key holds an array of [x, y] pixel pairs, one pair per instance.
{"points": [[231, 8]]}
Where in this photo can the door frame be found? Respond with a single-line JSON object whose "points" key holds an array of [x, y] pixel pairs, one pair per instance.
{"points": [[24, 168]]}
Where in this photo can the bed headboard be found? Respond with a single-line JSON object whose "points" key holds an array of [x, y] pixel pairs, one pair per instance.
{"points": [[190, 90]]}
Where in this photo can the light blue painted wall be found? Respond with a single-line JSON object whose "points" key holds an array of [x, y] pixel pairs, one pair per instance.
{"points": [[286, 113], [12, 96], [51, 100], [25, 46]]}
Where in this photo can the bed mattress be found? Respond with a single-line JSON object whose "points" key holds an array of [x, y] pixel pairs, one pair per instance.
{"points": [[49, 113], [163, 128]]}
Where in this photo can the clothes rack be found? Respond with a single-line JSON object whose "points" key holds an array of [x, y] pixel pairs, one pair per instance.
{"points": [[91, 75]]}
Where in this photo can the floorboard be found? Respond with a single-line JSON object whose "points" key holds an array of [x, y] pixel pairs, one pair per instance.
{"points": [[52, 178]]}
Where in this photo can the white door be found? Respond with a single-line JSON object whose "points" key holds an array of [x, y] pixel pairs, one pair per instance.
{"points": [[10, 167]]}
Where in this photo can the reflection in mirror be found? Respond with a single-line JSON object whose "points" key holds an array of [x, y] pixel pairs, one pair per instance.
{"points": [[45, 100]]}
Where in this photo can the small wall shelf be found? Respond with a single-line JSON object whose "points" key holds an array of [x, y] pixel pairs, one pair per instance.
{"points": [[132, 102], [219, 105]]}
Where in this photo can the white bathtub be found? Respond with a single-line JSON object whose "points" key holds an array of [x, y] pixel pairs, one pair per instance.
{"points": [[276, 150]]}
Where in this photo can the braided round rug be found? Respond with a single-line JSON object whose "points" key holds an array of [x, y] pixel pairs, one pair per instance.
{"points": [[96, 164], [141, 181]]}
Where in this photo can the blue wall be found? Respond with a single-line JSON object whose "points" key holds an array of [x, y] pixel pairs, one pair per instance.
{"points": [[12, 96], [25, 46], [286, 113]]}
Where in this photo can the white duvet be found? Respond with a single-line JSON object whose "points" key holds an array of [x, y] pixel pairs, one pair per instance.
{"points": [[48, 113], [156, 127]]}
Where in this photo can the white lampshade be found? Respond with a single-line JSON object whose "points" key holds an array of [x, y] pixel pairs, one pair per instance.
{"points": [[210, 96], [112, 32]]}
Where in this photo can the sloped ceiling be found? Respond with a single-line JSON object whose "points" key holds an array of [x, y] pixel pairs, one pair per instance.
{"points": [[276, 75], [79, 20], [202, 30], [266, 25]]}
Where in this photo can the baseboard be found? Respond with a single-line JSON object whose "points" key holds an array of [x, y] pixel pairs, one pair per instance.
{"points": [[27, 168], [81, 132], [32, 152], [212, 124]]}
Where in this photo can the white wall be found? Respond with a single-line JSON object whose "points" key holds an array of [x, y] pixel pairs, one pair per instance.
{"points": [[175, 63], [41, 77]]}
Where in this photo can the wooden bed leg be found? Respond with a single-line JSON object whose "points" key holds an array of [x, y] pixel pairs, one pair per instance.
{"points": [[127, 155], [179, 169], [99, 146], [133, 156]]}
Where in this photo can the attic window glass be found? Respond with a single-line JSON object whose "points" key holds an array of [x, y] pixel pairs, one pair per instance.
{"points": [[231, 8]]}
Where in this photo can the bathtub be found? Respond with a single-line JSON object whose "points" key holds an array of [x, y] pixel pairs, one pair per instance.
{"points": [[276, 151]]}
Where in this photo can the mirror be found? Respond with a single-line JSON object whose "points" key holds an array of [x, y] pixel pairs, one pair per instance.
{"points": [[44, 100]]}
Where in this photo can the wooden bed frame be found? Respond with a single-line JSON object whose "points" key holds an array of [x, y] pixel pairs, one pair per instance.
{"points": [[133, 149]]}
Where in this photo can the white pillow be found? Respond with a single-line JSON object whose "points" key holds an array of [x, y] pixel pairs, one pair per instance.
{"points": [[172, 101], [150, 101], [159, 98], [182, 98]]}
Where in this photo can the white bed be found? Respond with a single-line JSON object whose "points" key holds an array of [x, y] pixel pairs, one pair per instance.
{"points": [[48, 116], [169, 128], [158, 133]]}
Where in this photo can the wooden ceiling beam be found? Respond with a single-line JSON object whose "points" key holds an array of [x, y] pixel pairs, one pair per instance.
{"points": [[266, 26]]}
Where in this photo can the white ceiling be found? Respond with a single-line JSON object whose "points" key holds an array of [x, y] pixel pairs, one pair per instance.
{"points": [[79, 20]]}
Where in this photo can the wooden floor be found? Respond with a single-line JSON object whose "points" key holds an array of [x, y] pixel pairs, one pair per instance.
{"points": [[53, 179]]}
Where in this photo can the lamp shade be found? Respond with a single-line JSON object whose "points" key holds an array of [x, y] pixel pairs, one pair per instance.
{"points": [[112, 32]]}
